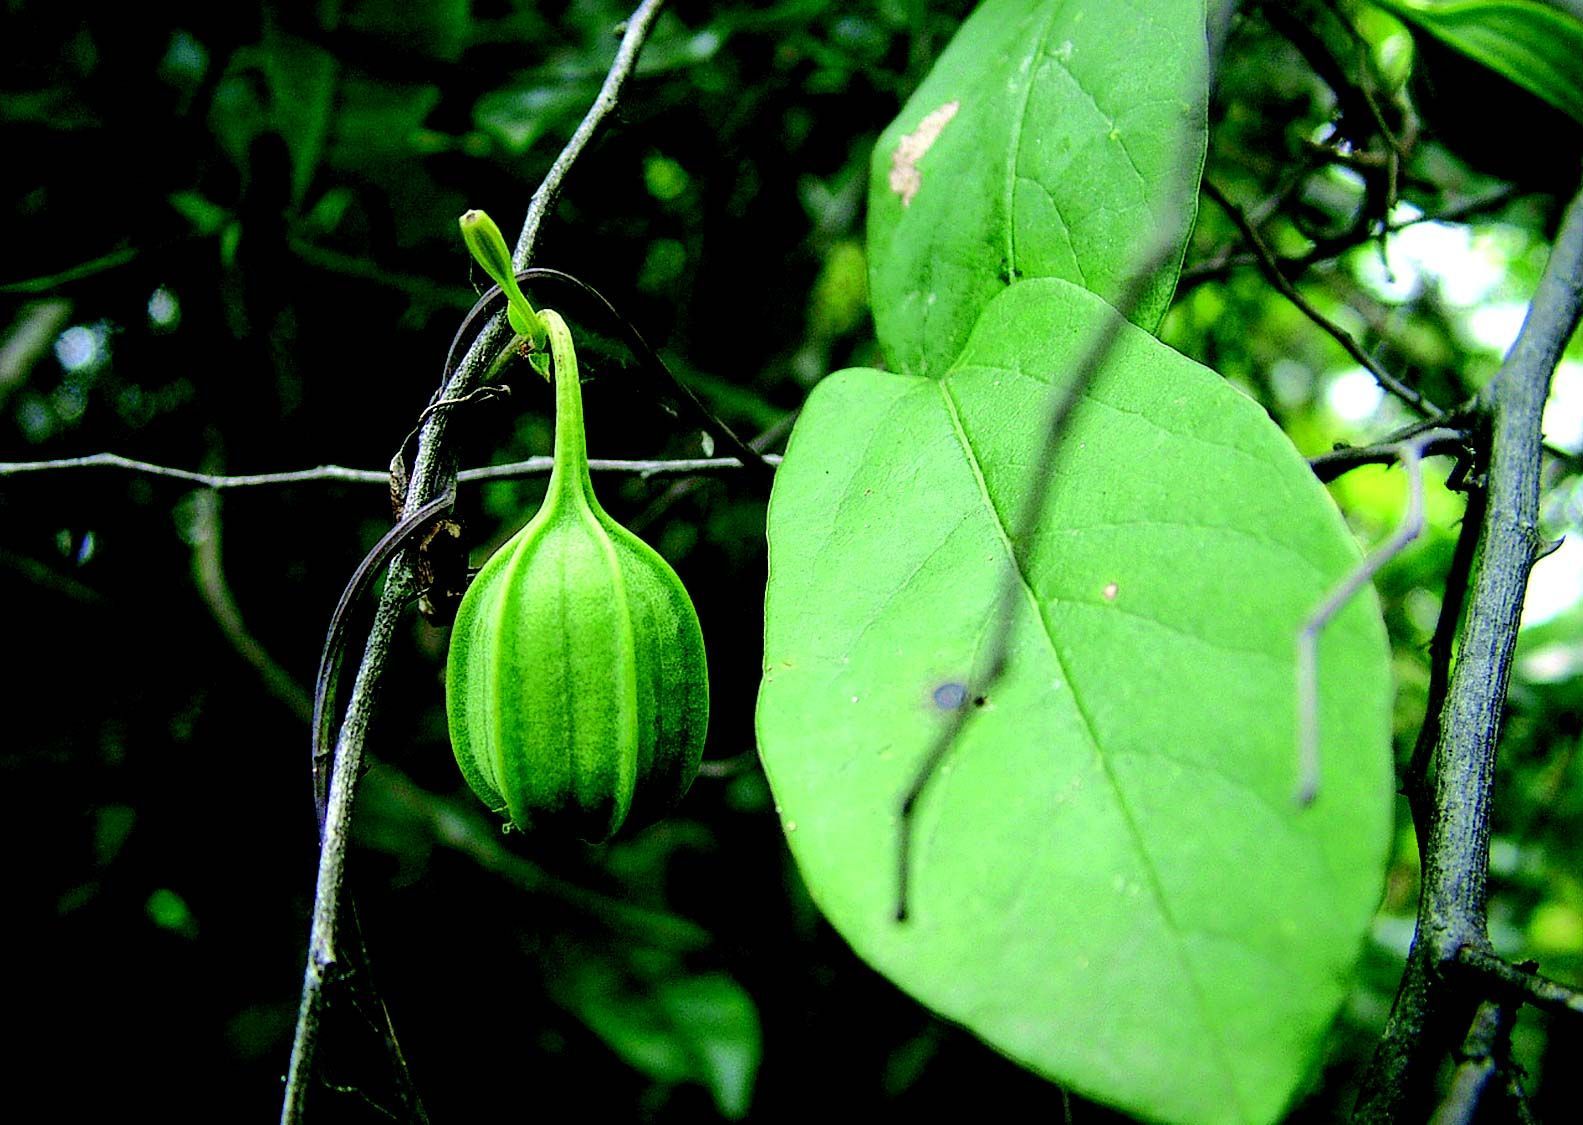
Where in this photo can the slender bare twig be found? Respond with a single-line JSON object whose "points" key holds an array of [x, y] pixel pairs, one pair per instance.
{"points": [[337, 474], [208, 570], [543, 201], [675, 467], [419, 288], [649, 360], [48, 283], [432, 474], [1331, 466], [1272, 271], [47, 577], [1410, 453], [1220, 263], [1452, 909], [1521, 982], [761, 441], [1064, 398]]}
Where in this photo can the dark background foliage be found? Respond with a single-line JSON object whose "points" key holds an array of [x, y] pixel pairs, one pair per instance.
{"points": [[230, 230]]}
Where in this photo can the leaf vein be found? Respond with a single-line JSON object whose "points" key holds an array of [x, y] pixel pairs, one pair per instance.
{"points": [[1219, 1052]]}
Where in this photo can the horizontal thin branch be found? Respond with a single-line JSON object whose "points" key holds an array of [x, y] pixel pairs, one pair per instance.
{"points": [[339, 474], [1501, 976], [1329, 466], [676, 467]]}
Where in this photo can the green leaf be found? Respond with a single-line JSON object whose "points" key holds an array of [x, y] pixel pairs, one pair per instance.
{"points": [[438, 29], [301, 78], [378, 121], [169, 911], [1051, 139], [672, 1027], [517, 116], [1111, 881], [207, 217], [1533, 45]]}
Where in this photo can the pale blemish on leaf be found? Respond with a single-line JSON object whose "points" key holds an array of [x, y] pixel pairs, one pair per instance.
{"points": [[1110, 592], [950, 696], [905, 179]]}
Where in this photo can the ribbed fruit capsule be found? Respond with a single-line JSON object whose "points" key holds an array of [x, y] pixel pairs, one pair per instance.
{"points": [[577, 692]]}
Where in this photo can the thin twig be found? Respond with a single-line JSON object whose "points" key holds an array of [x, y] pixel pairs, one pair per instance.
{"points": [[337, 474], [1064, 398], [674, 467], [650, 360], [43, 575], [208, 570], [1452, 909], [432, 474], [1272, 271], [1520, 982], [415, 286], [1410, 453], [1219, 264], [1330, 466], [48, 283], [543, 201]]}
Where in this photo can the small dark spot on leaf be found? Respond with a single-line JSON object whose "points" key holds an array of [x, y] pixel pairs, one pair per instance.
{"points": [[979, 701], [950, 696]]}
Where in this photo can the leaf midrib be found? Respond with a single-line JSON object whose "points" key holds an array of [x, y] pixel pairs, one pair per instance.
{"points": [[1219, 1052]]}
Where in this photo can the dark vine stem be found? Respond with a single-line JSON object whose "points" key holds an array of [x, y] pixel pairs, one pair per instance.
{"points": [[1434, 1001], [433, 474], [1442, 647]]}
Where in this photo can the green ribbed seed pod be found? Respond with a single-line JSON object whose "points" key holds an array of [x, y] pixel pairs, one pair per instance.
{"points": [[576, 688]]}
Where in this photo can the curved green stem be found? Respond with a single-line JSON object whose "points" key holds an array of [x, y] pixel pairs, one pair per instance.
{"points": [[488, 248], [570, 474]]}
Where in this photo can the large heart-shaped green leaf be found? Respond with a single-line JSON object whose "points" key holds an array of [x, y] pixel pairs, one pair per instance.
{"points": [[1053, 138], [1111, 881]]}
